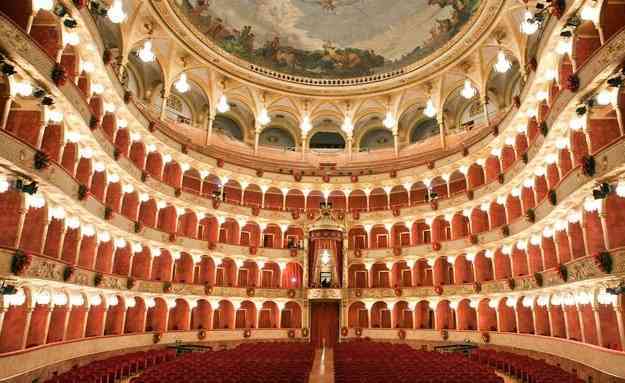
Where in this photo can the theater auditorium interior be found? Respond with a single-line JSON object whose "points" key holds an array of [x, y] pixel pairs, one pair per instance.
{"points": [[323, 191]]}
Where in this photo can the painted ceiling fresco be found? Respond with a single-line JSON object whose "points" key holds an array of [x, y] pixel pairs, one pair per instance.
{"points": [[329, 38]]}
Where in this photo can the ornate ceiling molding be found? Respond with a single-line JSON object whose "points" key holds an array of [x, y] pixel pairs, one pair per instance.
{"points": [[459, 47]]}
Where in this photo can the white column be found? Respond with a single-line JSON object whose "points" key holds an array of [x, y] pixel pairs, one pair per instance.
{"points": [[596, 317], [29, 314], [621, 325], [581, 322]]}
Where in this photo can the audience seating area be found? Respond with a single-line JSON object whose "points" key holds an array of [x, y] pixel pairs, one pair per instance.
{"points": [[360, 361], [118, 367], [369, 362], [524, 368], [247, 363]]}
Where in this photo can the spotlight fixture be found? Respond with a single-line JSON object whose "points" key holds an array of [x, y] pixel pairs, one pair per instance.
{"points": [[60, 11], [30, 188], [618, 290], [70, 23], [615, 81], [581, 110], [432, 195], [39, 93], [7, 289], [8, 70], [47, 101], [602, 191]]}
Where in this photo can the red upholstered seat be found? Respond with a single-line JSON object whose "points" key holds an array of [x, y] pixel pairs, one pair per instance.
{"points": [[371, 362], [247, 363], [523, 367], [117, 367]]}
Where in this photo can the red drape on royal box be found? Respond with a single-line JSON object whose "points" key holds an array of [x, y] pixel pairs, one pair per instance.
{"points": [[324, 323], [320, 241]]}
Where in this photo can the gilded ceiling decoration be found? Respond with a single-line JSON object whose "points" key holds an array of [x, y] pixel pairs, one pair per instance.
{"points": [[329, 38]]}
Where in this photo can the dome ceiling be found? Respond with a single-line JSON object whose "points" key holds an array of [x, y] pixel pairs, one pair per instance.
{"points": [[329, 38]]}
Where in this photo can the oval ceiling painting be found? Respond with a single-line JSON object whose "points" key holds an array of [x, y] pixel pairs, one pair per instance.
{"points": [[329, 38]]}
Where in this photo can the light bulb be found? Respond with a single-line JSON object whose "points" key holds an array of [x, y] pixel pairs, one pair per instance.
{"points": [[562, 143], [564, 46], [99, 167], [57, 212], [527, 301], [146, 54], [389, 121], [348, 125], [88, 67], [86, 153], [97, 88], [263, 117], [120, 243], [550, 74], [116, 12], [24, 89], [36, 201], [113, 178], [88, 230], [104, 236], [222, 105], [109, 107], [73, 222], [122, 123], [4, 184], [55, 116], [71, 38], [305, 125], [325, 257], [590, 12], [503, 64], [620, 189], [430, 109], [576, 124], [46, 5], [468, 91], [72, 137], [542, 95], [605, 97], [182, 85], [529, 26], [128, 188]]}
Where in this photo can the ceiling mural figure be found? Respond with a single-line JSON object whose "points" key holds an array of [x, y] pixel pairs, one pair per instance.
{"points": [[329, 38]]}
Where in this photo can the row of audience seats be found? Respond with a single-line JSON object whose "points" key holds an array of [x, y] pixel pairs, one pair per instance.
{"points": [[114, 368], [524, 368], [372, 362], [247, 363]]}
